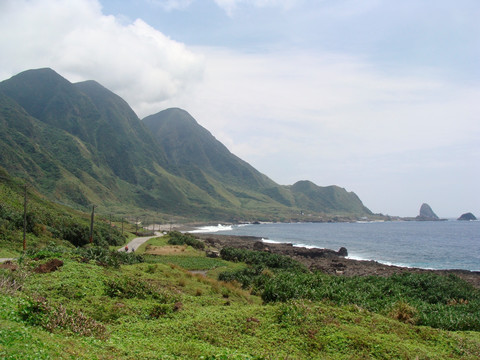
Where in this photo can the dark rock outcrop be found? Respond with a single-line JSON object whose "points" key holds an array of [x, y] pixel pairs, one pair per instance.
{"points": [[426, 213], [467, 217]]}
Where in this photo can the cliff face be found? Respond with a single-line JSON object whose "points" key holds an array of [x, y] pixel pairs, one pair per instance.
{"points": [[426, 213]]}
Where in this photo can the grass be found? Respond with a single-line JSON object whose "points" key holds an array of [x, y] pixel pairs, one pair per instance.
{"points": [[159, 309]]}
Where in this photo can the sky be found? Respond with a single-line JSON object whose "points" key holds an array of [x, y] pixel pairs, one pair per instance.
{"points": [[379, 97]]}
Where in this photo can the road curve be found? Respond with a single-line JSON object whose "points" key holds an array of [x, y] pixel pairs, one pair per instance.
{"points": [[135, 243]]}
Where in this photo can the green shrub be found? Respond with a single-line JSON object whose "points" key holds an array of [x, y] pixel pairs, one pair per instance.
{"points": [[403, 312], [160, 310], [129, 288], [39, 312], [177, 238], [408, 297], [261, 258], [104, 256], [262, 266]]}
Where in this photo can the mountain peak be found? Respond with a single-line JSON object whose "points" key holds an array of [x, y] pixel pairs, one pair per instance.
{"points": [[426, 213], [171, 116], [34, 89], [47, 76]]}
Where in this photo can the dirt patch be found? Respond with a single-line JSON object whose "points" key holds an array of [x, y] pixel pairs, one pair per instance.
{"points": [[50, 266], [198, 272], [166, 250], [9, 265]]}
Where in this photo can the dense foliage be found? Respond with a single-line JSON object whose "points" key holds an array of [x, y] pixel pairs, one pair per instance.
{"points": [[178, 238], [261, 259], [46, 221], [445, 302], [100, 255]]}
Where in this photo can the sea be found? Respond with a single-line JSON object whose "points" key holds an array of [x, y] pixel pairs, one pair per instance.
{"points": [[437, 245]]}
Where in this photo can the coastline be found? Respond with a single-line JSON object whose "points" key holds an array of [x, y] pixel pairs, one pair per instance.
{"points": [[325, 260]]}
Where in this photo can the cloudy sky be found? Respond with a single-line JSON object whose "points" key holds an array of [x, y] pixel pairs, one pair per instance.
{"points": [[379, 97]]}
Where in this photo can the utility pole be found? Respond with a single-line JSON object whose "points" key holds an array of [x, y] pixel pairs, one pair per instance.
{"points": [[25, 218], [122, 225], [91, 224]]}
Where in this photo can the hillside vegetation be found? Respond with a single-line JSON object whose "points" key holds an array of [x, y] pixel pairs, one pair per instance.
{"points": [[157, 307], [67, 299], [47, 222], [82, 145]]}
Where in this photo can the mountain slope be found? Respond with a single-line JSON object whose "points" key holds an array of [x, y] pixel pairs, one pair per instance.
{"points": [[87, 148], [81, 144], [329, 199], [194, 150], [201, 158]]}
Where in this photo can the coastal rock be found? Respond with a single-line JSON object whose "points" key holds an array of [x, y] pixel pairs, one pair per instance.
{"points": [[342, 251], [467, 217], [426, 213]]}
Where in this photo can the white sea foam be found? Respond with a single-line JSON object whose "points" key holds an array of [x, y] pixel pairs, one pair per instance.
{"points": [[269, 241], [383, 262], [212, 228]]}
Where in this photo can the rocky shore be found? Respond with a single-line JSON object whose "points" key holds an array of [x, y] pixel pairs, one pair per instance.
{"points": [[325, 260]]}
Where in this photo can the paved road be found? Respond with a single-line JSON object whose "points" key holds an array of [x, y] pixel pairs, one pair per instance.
{"points": [[135, 243]]}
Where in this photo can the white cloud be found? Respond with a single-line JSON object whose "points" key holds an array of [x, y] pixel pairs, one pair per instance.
{"points": [[172, 4], [74, 38], [337, 119], [322, 99], [231, 5]]}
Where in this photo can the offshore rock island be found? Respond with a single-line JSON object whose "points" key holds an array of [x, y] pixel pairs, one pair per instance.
{"points": [[427, 214], [467, 217]]}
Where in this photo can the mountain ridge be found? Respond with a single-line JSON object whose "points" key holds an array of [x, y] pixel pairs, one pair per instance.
{"points": [[84, 144]]}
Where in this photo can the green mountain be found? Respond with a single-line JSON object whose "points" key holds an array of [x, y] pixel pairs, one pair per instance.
{"points": [[331, 199], [81, 144], [202, 159], [205, 161]]}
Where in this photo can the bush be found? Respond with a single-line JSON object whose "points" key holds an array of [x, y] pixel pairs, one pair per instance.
{"points": [[128, 288], [262, 259], [408, 297], [403, 312], [177, 238], [39, 312], [262, 266], [102, 256], [107, 257]]}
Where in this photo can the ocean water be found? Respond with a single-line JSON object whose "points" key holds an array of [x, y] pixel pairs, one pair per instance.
{"points": [[423, 244]]}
